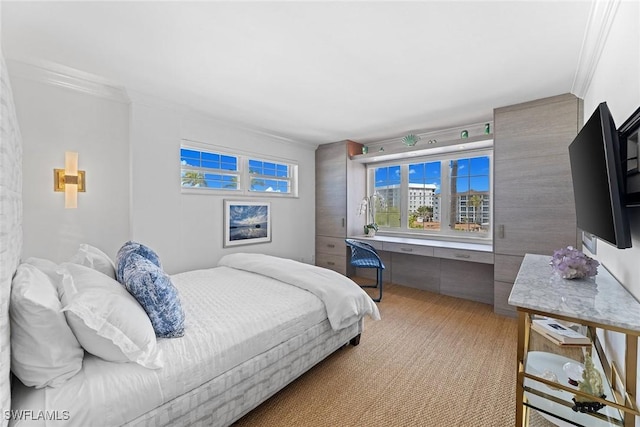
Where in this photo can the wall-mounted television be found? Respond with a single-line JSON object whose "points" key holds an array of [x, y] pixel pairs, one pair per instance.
{"points": [[598, 171]]}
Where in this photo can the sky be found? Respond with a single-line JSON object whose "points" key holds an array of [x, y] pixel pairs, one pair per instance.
{"points": [[472, 174], [242, 215]]}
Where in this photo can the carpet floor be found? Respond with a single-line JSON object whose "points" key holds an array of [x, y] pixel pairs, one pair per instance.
{"points": [[432, 360]]}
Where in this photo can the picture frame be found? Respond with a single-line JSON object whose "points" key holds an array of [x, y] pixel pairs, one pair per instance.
{"points": [[246, 222]]}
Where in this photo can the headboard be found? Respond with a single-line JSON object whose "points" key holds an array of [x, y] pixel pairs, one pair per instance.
{"points": [[10, 224]]}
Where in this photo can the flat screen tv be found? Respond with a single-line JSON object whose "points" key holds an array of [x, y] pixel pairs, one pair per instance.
{"points": [[598, 174]]}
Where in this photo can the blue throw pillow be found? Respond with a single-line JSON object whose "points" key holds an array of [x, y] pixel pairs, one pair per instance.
{"points": [[129, 248], [152, 288]]}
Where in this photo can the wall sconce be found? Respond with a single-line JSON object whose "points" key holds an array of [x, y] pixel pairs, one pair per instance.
{"points": [[70, 180]]}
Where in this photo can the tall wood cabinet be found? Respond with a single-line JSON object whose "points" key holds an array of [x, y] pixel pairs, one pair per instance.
{"points": [[533, 194], [340, 186]]}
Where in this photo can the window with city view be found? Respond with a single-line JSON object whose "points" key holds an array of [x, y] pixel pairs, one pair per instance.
{"points": [[440, 196]]}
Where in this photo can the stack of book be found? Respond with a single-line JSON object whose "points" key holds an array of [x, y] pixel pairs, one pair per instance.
{"points": [[558, 333]]}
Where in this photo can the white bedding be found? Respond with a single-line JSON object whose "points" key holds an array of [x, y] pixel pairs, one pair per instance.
{"points": [[217, 338], [344, 300]]}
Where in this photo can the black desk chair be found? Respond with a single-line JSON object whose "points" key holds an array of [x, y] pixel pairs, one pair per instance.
{"points": [[363, 255]]}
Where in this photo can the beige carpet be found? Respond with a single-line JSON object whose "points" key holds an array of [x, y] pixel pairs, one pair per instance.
{"points": [[432, 360]]}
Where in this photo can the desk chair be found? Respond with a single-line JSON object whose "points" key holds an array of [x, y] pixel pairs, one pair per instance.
{"points": [[363, 255]]}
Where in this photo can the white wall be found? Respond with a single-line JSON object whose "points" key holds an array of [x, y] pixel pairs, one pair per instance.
{"points": [[53, 120], [186, 229], [130, 151], [617, 81]]}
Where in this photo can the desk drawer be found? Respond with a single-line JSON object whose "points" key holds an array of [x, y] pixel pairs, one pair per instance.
{"points": [[407, 249], [332, 262], [464, 255], [331, 246]]}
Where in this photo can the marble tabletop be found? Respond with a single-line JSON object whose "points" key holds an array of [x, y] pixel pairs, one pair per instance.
{"points": [[601, 299]]}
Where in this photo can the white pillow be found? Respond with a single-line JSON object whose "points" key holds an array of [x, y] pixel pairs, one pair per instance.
{"points": [[44, 351], [106, 319], [90, 256], [49, 268]]}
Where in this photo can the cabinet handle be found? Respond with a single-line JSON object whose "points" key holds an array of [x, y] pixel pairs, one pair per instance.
{"points": [[463, 256], [501, 231], [342, 222], [331, 263], [406, 249], [331, 246]]}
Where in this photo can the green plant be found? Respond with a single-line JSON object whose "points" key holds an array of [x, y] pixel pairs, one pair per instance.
{"points": [[368, 227]]}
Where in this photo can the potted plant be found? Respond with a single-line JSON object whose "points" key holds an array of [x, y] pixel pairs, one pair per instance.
{"points": [[368, 205], [370, 229]]}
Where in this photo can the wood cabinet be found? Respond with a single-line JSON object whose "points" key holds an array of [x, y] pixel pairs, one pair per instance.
{"points": [[340, 186], [533, 194]]}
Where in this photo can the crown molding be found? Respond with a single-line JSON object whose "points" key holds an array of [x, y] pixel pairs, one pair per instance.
{"points": [[62, 76], [70, 78], [599, 25]]}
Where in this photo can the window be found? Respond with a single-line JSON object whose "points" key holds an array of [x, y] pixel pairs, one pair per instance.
{"points": [[269, 176], [202, 169], [470, 194], [423, 208], [216, 171], [387, 205], [449, 195]]}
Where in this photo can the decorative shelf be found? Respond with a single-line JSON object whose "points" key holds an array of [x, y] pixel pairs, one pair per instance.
{"points": [[423, 148]]}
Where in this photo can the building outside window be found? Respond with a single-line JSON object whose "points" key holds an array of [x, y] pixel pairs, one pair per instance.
{"points": [[444, 196]]}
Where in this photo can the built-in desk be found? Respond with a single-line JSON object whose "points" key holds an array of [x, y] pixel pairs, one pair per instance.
{"points": [[463, 251], [458, 269]]}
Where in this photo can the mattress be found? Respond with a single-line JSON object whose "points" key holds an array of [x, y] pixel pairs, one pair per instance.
{"points": [[231, 317]]}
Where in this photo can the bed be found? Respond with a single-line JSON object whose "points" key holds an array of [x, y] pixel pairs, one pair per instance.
{"points": [[252, 325]]}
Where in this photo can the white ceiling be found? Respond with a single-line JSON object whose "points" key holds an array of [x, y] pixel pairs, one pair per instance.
{"points": [[316, 72]]}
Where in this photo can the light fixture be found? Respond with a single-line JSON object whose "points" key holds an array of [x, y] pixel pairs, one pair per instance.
{"points": [[70, 180]]}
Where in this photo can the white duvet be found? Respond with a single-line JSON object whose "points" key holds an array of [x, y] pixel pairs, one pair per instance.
{"points": [[232, 315], [344, 300]]}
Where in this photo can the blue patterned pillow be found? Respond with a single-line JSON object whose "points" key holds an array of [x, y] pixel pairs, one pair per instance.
{"points": [[129, 248], [152, 288]]}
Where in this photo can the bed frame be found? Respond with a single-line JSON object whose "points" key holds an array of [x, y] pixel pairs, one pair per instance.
{"points": [[233, 394], [220, 401]]}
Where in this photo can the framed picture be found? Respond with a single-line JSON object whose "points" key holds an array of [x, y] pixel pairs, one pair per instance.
{"points": [[246, 222]]}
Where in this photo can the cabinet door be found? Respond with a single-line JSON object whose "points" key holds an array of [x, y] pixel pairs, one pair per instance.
{"points": [[533, 192], [331, 190]]}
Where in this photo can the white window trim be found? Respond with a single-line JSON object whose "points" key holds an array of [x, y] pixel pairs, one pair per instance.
{"points": [[244, 177], [292, 178], [445, 233]]}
